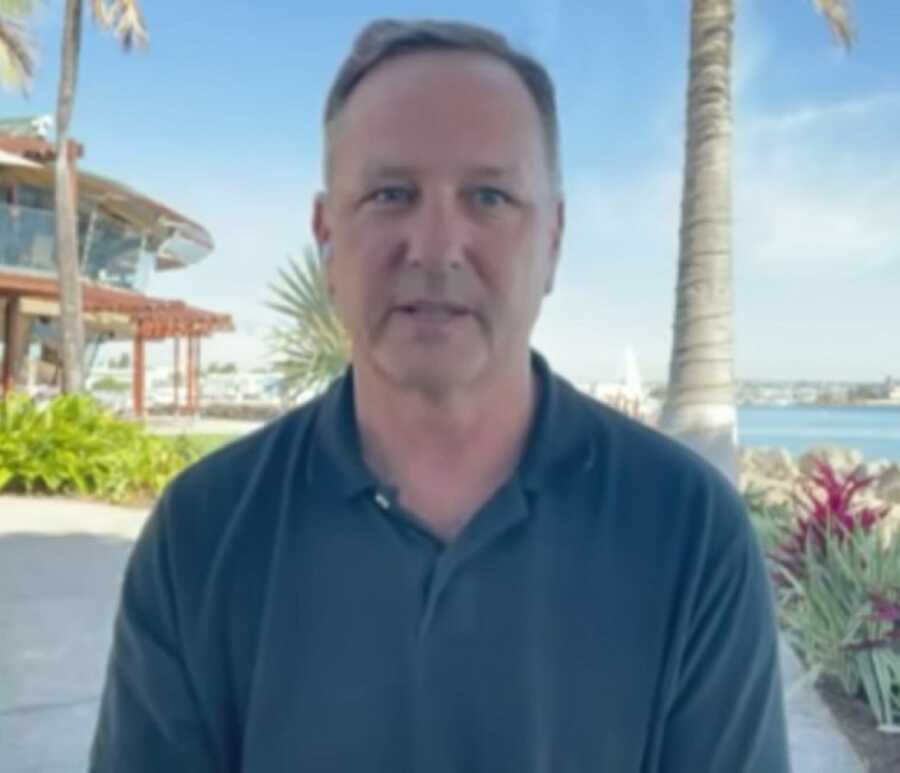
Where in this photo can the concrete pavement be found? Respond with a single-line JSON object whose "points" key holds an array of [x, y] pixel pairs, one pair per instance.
{"points": [[61, 564]]}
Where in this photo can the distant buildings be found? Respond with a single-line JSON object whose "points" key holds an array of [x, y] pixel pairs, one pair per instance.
{"points": [[628, 394], [123, 235]]}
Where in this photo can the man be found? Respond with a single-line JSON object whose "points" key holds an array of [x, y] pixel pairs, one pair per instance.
{"points": [[451, 561]]}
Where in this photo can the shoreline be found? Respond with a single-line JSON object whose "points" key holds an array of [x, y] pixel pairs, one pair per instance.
{"points": [[866, 404]]}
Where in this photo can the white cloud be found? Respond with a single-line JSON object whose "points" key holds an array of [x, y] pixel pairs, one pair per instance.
{"points": [[817, 116], [543, 29], [817, 197], [818, 189]]}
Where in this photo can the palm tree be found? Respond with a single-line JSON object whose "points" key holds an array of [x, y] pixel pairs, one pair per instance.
{"points": [[700, 405], [311, 346], [16, 47], [123, 17]]}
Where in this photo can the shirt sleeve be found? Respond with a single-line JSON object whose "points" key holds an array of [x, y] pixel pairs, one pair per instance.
{"points": [[727, 713], [149, 719]]}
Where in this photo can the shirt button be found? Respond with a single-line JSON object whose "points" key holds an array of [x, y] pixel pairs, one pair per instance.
{"points": [[382, 501]]}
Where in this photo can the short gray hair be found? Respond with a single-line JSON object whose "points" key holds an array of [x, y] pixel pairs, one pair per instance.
{"points": [[385, 39]]}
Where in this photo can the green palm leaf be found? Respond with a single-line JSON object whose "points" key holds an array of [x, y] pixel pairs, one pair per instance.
{"points": [[17, 49], [310, 347], [837, 14], [124, 18]]}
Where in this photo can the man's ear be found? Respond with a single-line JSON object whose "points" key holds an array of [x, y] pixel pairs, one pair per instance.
{"points": [[556, 244], [322, 234], [320, 228]]}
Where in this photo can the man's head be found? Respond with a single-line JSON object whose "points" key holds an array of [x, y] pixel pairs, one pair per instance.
{"points": [[443, 215]]}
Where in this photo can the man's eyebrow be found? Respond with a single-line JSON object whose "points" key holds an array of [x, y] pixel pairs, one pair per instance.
{"points": [[389, 170], [479, 170], [484, 170]]}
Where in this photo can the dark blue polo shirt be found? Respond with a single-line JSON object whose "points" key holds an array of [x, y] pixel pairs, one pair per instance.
{"points": [[607, 610]]}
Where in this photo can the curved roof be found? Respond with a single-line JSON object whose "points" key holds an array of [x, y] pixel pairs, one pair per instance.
{"points": [[151, 318], [176, 240], [180, 241]]}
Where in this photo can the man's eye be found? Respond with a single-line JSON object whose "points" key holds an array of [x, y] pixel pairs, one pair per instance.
{"points": [[392, 195], [489, 198]]}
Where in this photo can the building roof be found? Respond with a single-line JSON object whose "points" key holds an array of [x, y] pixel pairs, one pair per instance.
{"points": [[175, 240], [152, 318], [156, 318]]}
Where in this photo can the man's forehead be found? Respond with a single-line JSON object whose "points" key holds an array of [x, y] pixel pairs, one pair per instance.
{"points": [[405, 72], [439, 113], [439, 90], [375, 168]]}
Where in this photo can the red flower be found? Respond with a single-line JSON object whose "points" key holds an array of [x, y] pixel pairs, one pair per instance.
{"points": [[826, 505]]}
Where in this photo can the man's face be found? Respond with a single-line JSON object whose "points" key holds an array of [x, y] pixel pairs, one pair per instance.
{"points": [[441, 219]]}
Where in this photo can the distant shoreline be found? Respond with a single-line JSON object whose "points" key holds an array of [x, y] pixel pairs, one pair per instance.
{"points": [[866, 404]]}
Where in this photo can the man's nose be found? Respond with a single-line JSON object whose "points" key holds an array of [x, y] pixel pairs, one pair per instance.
{"points": [[437, 234]]}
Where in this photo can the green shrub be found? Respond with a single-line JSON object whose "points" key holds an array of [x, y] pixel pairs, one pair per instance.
{"points": [[772, 523], [837, 583], [111, 384], [73, 445]]}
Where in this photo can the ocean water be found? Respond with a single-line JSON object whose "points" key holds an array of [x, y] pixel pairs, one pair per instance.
{"points": [[874, 430]]}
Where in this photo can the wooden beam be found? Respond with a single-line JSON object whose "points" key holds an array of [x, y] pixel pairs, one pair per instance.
{"points": [[137, 376], [11, 339], [198, 364], [190, 375], [176, 375]]}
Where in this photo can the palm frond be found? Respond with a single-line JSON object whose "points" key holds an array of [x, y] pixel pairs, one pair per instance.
{"points": [[17, 8], [310, 347], [124, 18], [17, 55], [837, 14]]}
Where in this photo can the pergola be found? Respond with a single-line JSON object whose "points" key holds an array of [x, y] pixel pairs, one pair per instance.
{"points": [[146, 318], [120, 229]]}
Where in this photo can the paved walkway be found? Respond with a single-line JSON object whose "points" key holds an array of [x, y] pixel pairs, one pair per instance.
{"points": [[192, 425], [61, 564]]}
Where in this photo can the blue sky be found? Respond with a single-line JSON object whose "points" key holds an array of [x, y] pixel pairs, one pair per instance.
{"points": [[220, 118]]}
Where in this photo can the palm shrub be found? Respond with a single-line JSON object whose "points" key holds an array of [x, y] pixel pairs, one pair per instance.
{"points": [[17, 47], [772, 523], [310, 346], [838, 587], [74, 446]]}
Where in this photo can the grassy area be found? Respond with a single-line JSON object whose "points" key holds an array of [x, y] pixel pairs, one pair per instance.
{"points": [[206, 443]]}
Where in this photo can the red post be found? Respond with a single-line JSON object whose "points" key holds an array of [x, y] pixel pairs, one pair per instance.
{"points": [[12, 337], [190, 375], [176, 375], [197, 366], [137, 376]]}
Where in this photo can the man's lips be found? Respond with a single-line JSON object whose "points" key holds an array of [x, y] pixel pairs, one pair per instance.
{"points": [[432, 309]]}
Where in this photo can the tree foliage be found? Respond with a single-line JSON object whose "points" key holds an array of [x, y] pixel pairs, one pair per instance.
{"points": [[310, 346]]}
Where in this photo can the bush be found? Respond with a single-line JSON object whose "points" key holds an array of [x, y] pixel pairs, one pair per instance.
{"points": [[111, 384], [74, 446], [838, 587], [772, 523]]}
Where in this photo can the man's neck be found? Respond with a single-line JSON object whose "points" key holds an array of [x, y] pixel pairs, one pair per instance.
{"points": [[445, 453]]}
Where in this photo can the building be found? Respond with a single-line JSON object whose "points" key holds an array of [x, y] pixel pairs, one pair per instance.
{"points": [[123, 237], [627, 394]]}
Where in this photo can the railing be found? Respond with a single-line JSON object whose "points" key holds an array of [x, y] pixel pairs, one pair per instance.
{"points": [[110, 252]]}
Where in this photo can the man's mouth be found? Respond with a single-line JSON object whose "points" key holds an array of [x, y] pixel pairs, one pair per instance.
{"points": [[432, 311]]}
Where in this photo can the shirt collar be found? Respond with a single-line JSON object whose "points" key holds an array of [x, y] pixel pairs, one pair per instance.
{"points": [[559, 436], [336, 459]]}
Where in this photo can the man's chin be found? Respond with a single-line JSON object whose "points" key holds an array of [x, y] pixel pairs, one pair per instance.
{"points": [[434, 375]]}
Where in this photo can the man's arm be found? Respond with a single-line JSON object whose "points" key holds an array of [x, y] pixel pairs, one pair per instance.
{"points": [[149, 720], [727, 713]]}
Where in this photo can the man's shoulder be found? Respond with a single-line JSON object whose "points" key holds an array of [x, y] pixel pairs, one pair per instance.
{"points": [[248, 473], [269, 446], [623, 439], [656, 472]]}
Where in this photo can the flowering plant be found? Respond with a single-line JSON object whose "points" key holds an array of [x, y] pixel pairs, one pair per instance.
{"points": [[838, 588]]}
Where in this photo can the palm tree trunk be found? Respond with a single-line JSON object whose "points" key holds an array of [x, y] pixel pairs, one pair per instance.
{"points": [[71, 316], [700, 405]]}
